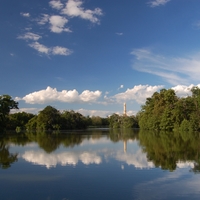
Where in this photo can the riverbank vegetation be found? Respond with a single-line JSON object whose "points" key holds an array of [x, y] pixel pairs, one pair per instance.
{"points": [[164, 110], [50, 119]]}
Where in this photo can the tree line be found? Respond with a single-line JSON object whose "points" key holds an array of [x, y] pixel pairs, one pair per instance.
{"points": [[52, 119], [164, 110]]}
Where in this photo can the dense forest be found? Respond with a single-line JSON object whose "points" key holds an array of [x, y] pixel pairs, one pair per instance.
{"points": [[164, 110]]}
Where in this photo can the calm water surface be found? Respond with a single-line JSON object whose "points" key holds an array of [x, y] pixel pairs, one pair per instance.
{"points": [[100, 164]]}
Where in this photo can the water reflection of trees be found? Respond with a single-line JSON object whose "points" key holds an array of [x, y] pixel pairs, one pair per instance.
{"points": [[123, 134], [6, 158], [166, 149]]}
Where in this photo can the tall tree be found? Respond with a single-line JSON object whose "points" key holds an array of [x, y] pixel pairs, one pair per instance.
{"points": [[6, 104]]}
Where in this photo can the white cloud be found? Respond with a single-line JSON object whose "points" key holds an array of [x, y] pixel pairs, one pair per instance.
{"points": [[87, 96], [74, 8], [183, 90], [138, 93], [50, 50], [61, 51], [25, 14], [64, 158], [51, 95], [174, 70], [155, 3], [58, 24], [56, 4], [27, 110], [30, 36], [40, 47], [44, 19]]}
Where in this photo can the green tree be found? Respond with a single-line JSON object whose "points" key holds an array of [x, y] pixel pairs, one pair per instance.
{"points": [[73, 120], [96, 121], [6, 104], [114, 121], [19, 119], [32, 124], [48, 119], [157, 113]]}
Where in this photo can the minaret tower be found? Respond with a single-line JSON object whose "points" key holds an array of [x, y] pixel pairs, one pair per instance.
{"points": [[124, 109]]}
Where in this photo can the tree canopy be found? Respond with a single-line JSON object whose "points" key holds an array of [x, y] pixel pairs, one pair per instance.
{"points": [[6, 104], [165, 111]]}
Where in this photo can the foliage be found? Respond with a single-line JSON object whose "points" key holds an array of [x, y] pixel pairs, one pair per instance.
{"points": [[165, 111], [117, 121], [51, 119], [19, 120], [6, 104], [73, 120]]}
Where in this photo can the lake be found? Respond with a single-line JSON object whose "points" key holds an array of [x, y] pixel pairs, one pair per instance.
{"points": [[100, 164]]}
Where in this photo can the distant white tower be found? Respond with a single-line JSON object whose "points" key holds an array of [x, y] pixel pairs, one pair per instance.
{"points": [[125, 109]]}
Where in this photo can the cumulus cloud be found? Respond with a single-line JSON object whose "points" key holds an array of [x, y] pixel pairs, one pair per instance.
{"points": [[58, 24], [138, 93], [51, 95], [174, 70], [74, 8], [88, 96], [64, 158], [56, 4], [25, 14], [30, 36], [183, 90], [156, 3]]}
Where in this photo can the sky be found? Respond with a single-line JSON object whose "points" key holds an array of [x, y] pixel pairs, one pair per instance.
{"points": [[92, 56]]}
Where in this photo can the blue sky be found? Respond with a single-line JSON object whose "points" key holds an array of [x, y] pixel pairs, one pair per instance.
{"points": [[91, 56]]}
